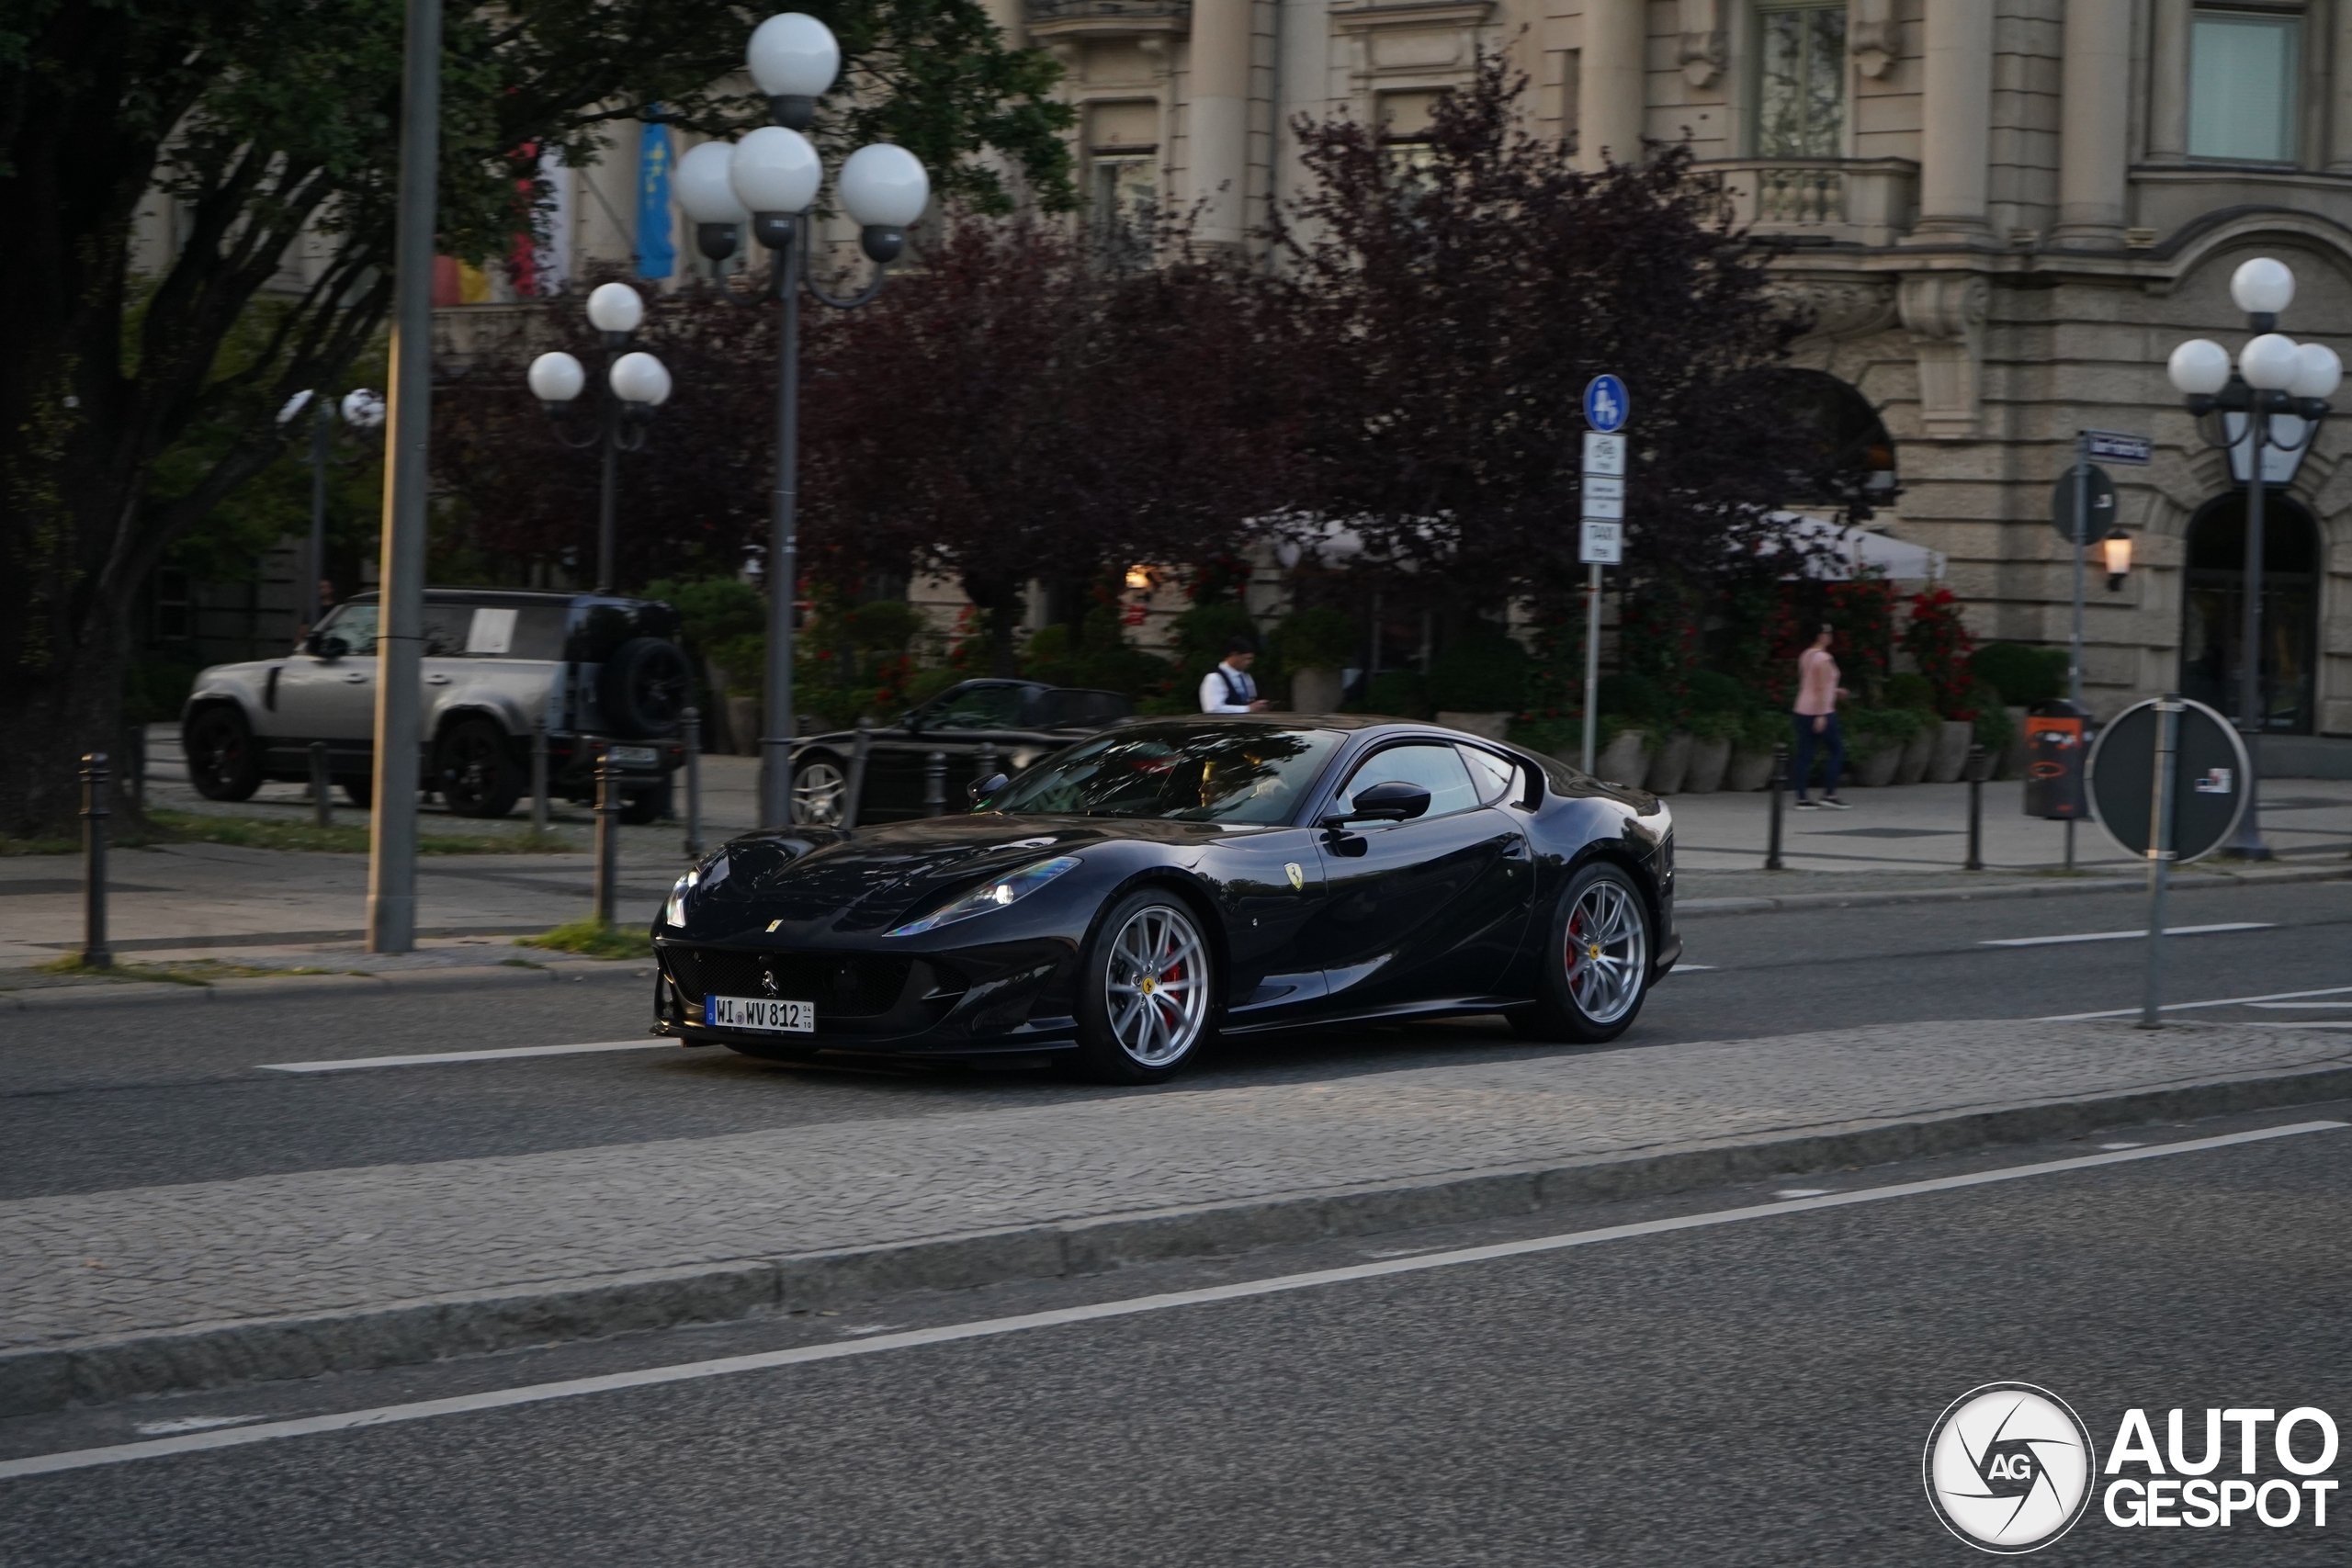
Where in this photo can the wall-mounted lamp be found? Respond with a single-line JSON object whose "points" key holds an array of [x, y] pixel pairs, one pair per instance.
{"points": [[2118, 548]]}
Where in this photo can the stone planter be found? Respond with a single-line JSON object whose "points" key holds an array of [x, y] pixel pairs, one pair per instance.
{"points": [[744, 725], [1876, 769], [1624, 760], [1952, 742], [1484, 726], [1315, 691], [1917, 752], [1709, 761], [1670, 766], [1748, 770]]}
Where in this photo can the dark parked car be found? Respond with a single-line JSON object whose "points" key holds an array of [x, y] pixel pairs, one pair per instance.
{"points": [[1167, 879], [1019, 722], [595, 668]]}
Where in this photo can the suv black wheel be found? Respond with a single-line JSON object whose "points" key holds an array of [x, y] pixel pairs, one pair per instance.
{"points": [[1596, 961], [223, 764], [1147, 992], [640, 806], [475, 771]]}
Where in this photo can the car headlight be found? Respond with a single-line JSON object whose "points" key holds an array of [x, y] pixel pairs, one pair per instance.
{"points": [[707, 874], [1008, 889]]}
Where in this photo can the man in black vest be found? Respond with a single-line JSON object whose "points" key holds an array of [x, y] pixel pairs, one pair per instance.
{"points": [[1228, 688]]}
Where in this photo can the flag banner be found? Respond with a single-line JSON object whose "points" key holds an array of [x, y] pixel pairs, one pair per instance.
{"points": [[657, 251]]}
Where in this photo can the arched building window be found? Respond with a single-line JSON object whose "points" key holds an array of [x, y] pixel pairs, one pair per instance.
{"points": [[1844, 456], [2213, 610]]}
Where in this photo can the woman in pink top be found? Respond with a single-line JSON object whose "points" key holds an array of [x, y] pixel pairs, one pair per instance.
{"points": [[1816, 721]]}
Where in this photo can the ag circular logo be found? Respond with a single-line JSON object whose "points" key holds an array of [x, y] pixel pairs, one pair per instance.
{"points": [[2008, 1468]]}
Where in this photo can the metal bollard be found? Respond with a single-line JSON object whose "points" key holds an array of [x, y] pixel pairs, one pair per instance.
{"points": [[935, 783], [690, 726], [1979, 764], [857, 771], [983, 768], [608, 832], [1780, 783], [539, 774], [322, 786], [94, 952]]}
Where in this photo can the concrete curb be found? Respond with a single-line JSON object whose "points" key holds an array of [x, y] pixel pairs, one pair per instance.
{"points": [[139, 993], [218, 1354], [1760, 904]]}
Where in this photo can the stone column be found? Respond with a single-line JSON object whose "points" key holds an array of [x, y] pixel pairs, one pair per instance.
{"points": [[2092, 155], [2168, 83], [2339, 88], [1611, 93], [1956, 134], [1220, 117]]}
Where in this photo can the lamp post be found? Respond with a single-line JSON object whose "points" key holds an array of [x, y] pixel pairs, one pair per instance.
{"points": [[2274, 379], [637, 383], [768, 180], [361, 410]]}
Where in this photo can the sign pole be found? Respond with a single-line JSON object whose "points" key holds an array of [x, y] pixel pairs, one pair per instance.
{"points": [[2082, 526], [1591, 661], [2160, 854]]}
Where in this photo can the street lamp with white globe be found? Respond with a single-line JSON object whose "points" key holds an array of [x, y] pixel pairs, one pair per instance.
{"points": [[2270, 402], [637, 384], [362, 411], [767, 182]]}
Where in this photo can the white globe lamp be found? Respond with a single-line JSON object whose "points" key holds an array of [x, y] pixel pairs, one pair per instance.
{"points": [[2200, 367], [775, 171], [615, 307], [2262, 287], [2318, 372], [557, 377], [2269, 362], [795, 58], [641, 379], [703, 187]]}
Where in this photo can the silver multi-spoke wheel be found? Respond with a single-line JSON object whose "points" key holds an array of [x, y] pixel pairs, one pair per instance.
{"points": [[1608, 950], [1156, 985], [820, 795]]}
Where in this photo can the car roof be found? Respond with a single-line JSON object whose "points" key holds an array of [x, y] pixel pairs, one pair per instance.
{"points": [[517, 598]]}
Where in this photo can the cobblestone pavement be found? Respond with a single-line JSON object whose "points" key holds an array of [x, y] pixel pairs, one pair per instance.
{"points": [[157, 1257]]}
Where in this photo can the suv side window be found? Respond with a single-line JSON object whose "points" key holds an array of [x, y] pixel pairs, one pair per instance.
{"points": [[981, 708], [445, 629], [1434, 767], [355, 625]]}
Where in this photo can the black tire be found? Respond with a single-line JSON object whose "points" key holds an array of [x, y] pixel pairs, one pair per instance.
{"points": [[640, 806], [643, 687], [475, 771], [1586, 1001], [223, 762], [362, 791], [1120, 1044]]}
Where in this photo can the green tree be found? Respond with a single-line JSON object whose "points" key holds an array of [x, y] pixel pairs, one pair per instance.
{"points": [[264, 126]]}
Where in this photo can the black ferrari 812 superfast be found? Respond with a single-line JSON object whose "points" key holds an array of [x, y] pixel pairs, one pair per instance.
{"points": [[1174, 879]]}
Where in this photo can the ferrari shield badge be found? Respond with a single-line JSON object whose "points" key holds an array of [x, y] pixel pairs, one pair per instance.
{"points": [[1297, 877]]}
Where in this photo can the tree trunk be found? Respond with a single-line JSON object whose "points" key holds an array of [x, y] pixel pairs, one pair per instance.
{"points": [[52, 716], [1003, 600]]}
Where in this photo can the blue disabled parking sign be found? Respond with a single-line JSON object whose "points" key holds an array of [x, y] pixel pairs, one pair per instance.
{"points": [[1606, 404]]}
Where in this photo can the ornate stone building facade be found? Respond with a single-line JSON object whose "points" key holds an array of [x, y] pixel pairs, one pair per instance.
{"points": [[2005, 213]]}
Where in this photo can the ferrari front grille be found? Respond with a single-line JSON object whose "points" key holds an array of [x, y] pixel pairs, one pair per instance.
{"points": [[842, 984]]}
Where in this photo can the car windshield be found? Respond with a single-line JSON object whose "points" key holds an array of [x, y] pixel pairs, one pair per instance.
{"points": [[1185, 772]]}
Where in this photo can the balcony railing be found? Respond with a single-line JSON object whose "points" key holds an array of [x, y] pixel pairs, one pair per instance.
{"points": [[1859, 201], [1160, 15], [465, 335]]}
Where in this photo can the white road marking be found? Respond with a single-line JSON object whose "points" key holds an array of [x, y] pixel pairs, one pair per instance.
{"points": [[2126, 936], [1690, 968], [2285, 1007], [190, 1423], [768, 1361], [352, 1064], [2192, 1007], [2112, 1146], [1801, 1192], [866, 1329], [2300, 1023]]}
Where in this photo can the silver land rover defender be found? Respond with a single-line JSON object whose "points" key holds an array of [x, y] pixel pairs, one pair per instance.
{"points": [[599, 670]]}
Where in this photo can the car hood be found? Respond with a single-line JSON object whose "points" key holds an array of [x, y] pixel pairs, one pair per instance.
{"points": [[821, 879]]}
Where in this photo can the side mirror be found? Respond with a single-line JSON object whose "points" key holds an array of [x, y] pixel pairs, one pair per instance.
{"points": [[1391, 800], [329, 646], [979, 790], [911, 721]]}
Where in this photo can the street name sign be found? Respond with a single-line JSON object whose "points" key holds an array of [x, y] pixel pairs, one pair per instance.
{"points": [[1606, 406], [2118, 447]]}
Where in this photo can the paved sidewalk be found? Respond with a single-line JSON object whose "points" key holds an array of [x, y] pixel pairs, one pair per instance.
{"points": [[86, 1269]]}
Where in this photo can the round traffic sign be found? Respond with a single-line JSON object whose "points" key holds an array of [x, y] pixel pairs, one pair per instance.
{"points": [[1606, 405], [2208, 784], [2101, 491]]}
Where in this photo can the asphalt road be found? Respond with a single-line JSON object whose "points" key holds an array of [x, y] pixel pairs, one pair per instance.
{"points": [[1755, 1391], [124, 1097]]}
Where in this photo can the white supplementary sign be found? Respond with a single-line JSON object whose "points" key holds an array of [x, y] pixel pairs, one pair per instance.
{"points": [[1604, 499], [1604, 544], [1604, 454]]}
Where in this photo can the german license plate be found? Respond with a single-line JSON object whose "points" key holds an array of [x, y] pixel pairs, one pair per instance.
{"points": [[635, 756], [772, 1016]]}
